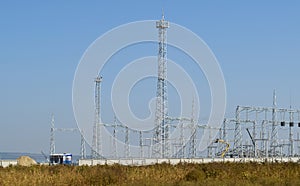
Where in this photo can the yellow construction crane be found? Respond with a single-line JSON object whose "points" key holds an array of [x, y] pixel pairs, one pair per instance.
{"points": [[227, 146]]}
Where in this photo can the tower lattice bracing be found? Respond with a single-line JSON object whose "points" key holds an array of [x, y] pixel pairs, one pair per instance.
{"points": [[82, 145], [192, 150], [127, 147], [141, 144], [96, 143], [291, 141], [114, 147], [53, 130], [274, 133], [161, 145], [238, 133], [52, 140]]}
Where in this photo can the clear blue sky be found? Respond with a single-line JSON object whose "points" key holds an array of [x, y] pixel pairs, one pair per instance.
{"points": [[257, 44]]}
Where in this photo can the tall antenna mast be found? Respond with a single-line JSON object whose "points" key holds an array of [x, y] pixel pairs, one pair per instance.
{"points": [[161, 136], [96, 143], [52, 140], [274, 133]]}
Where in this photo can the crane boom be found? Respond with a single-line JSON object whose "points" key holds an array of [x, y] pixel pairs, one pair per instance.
{"points": [[226, 149]]}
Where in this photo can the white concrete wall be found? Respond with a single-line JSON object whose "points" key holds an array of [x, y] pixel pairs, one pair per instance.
{"points": [[6, 163], [139, 162]]}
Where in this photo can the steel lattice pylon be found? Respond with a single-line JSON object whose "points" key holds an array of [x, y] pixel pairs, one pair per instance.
{"points": [[192, 150], [127, 147], [274, 134], [238, 133], [52, 140], [114, 147], [82, 145], [161, 137], [96, 143]]}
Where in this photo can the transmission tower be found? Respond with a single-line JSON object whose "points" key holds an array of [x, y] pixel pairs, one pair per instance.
{"points": [[52, 140], [96, 143], [141, 144], [82, 145], [291, 124], [274, 133], [127, 151], [181, 140], [161, 136], [115, 138], [192, 149], [238, 133]]}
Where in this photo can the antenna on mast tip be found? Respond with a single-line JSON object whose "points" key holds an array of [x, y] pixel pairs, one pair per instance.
{"points": [[162, 14], [290, 99], [274, 98]]}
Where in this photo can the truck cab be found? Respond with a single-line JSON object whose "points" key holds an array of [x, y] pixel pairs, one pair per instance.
{"points": [[61, 159]]}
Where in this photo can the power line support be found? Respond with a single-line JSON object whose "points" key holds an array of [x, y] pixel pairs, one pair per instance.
{"points": [[141, 144], [237, 133], [274, 133], [96, 143], [192, 149], [115, 138], [82, 146], [52, 137], [161, 136], [291, 124], [127, 153]]}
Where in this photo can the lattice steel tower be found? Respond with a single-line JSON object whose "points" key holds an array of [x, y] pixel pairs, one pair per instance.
{"points": [[161, 137], [192, 150], [237, 145], [52, 140], [82, 145], [274, 134], [96, 143]]}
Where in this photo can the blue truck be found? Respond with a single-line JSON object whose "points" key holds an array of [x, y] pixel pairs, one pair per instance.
{"points": [[63, 159]]}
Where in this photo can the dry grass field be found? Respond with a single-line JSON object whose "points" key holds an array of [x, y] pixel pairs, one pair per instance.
{"points": [[160, 174]]}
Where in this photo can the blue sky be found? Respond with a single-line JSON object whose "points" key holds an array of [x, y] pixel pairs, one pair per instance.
{"points": [[257, 44]]}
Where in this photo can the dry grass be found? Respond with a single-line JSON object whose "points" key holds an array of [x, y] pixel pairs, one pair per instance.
{"points": [[162, 174]]}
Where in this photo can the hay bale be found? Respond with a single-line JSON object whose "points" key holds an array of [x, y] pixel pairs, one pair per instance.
{"points": [[26, 161]]}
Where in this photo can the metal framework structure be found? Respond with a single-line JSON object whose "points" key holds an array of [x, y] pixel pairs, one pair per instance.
{"points": [[250, 134], [257, 134], [52, 138], [127, 147], [161, 135], [114, 138], [192, 150], [180, 147], [253, 132], [274, 134], [96, 142]]}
